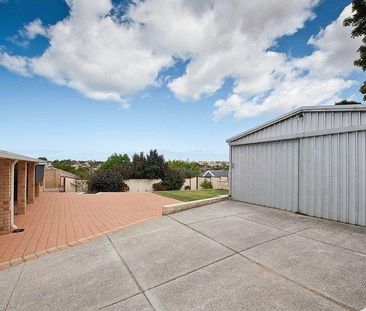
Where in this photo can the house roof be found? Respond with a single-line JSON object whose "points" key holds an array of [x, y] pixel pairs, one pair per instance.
{"points": [[216, 173], [14, 156], [290, 114]]}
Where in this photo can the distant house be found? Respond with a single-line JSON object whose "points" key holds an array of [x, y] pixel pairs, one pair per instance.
{"points": [[215, 173]]}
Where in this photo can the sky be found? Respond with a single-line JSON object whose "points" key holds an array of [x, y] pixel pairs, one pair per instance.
{"points": [[83, 79]]}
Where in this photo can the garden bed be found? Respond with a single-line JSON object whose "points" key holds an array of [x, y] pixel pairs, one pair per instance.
{"points": [[191, 195]]}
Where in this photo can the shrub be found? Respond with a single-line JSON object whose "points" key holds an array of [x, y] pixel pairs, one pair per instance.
{"points": [[173, 179], [125, 188], [206, 184], [158, 186], [187, 188], [110, 180]]}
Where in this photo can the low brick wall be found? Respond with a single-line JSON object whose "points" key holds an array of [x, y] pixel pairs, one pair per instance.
{"points": [[178, 207]]}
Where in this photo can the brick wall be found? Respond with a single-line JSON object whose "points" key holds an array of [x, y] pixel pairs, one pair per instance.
{"points": [[22, 188], [217, 183], [31, 172], [5, 195], [52, 178]]}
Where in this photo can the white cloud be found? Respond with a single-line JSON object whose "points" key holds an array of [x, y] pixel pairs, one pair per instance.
{"points": [[335, 50], [316, 79], [112, 57], [28, 33], [15, 64], [237, 41], [287, 96], [95, 55], [34, 29]]}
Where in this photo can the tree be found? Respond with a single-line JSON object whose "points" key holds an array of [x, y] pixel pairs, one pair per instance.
{"points": [[138, 165], [65, 165], [83, 172], [150, 166], [358, 22], [115, 160], [189, 169], [78, 185], [155, 165], [347, 102]]}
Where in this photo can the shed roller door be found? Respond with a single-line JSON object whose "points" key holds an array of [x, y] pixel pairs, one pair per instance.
{"points": [[333, 177], [266, 174]]}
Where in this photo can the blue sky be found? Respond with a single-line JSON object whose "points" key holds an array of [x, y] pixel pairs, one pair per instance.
{"points": [[174, 105]]}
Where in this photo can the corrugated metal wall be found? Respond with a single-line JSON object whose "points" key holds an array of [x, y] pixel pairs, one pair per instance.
{"points": [[310, 121], [322, 176], [333, 177], [266, 174]]}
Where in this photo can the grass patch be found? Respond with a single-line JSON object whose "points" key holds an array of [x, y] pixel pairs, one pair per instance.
{"points": [[191, 195]]}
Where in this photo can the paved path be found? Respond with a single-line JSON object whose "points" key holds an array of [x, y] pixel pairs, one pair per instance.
{"points": [[226, 256], [59, 220]]}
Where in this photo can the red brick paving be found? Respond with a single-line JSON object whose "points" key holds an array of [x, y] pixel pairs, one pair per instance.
{"points": [[60, 220]]}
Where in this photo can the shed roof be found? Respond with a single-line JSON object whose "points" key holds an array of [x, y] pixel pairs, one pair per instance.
{"points": [[14, 156], [290, 114], [62, 173]]}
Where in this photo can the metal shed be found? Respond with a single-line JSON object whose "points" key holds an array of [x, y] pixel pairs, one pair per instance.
{"points": [[311, 160]]}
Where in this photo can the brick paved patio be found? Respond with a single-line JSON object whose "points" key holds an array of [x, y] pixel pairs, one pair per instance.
{"points": [[59, 220]]}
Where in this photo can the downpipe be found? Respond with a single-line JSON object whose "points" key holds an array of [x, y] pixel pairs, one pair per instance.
{"points": [[13, 226]]}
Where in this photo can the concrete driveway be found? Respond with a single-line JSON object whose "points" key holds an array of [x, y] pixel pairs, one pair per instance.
{"points": [[226, 256]]}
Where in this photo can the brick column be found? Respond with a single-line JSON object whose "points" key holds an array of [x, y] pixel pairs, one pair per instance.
{"points": [[22, 188], [31, 182], [5, 195]]}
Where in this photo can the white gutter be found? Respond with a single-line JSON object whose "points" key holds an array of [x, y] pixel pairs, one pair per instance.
{"points": [[13, 226]]}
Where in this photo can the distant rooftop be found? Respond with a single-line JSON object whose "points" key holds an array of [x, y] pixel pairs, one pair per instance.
{"points": [[215, 173]]}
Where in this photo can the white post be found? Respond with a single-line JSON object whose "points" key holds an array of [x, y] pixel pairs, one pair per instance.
{"points": [[13, 226]]}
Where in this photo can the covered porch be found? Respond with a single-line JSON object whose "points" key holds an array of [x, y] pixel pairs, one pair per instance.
{"points": [[21, 181]]}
